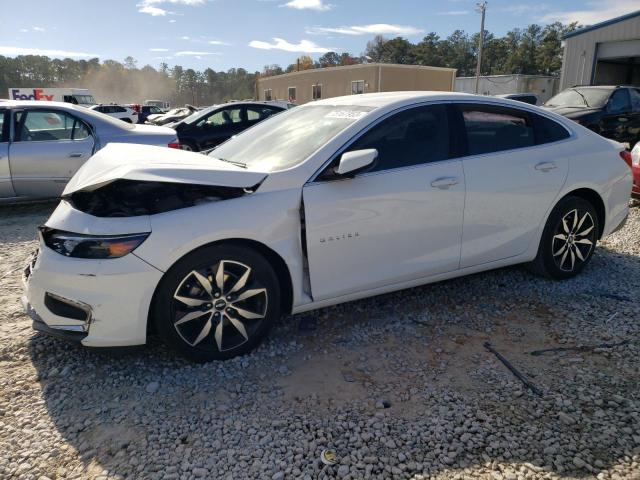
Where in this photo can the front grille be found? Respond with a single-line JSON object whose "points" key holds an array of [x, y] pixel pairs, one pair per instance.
{"points": [[28, 269]]}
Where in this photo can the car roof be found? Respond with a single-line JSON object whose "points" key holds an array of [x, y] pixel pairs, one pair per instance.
{"points": [[389, 98]]}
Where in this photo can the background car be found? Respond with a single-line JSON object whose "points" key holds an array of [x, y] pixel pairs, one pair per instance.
{"points": [[43, 144], [126, 114], [209, 128], [530, 98], [611, 111], [146, 111], [333, 201], [172, 115]]}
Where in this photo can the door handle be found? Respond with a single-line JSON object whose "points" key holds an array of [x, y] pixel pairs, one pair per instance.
{"points": [[444, 183], [546, 166], [76, 154]]}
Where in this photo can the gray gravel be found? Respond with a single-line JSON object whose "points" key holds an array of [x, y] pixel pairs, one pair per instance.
{"points": [[399, 386]]}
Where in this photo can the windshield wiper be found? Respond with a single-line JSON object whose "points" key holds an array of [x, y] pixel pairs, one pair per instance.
{"points": [[583, 98], [237, 164]]}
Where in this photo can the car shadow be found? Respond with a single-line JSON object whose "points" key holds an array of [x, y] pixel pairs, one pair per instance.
{"points": [[148, 413]]}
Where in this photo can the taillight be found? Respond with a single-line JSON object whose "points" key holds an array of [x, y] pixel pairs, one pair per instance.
{"points": [[174, 145], [635, 155], [626, 156]]}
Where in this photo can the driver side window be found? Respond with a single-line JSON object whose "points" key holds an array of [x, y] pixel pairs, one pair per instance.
{"points": [[413, 137], [228, 116], [49, 125], [619, 101]]}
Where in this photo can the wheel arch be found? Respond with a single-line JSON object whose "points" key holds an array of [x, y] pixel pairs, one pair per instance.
{"points": [[594, 199], [277, 262]]}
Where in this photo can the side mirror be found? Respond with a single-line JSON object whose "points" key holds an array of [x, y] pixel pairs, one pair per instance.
{"points": [[351, 162]]}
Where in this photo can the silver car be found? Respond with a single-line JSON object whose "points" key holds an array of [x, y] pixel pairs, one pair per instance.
{"points": [[42, 144]]}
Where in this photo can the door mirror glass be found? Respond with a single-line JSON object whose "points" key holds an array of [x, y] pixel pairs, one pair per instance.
{"points": [[351, 162]]}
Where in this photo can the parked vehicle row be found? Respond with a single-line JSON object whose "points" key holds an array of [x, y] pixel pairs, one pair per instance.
{"points": [[43, 144], [329, 202]]}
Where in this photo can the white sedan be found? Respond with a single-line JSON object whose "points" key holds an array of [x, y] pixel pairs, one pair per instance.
{"points": [[329, 202]]}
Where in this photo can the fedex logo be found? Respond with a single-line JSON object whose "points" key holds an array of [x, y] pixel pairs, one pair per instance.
{"points": [[38, 94]]}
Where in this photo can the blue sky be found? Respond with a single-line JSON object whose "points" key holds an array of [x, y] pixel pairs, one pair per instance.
{"points": [[222, 34]]}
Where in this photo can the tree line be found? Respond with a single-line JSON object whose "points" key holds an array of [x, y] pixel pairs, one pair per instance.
{"points": [[534, 50]]}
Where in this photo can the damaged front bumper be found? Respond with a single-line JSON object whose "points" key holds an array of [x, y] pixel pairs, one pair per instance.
{"points": [[99, 303]]}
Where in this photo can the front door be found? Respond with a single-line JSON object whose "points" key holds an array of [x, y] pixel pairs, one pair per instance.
{"points": [[49, 147], [399, 221], [513, 173], [619, 122]]}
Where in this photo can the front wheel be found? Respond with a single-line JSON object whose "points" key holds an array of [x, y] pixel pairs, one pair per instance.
{"points": [[217, 303], [568, 240]]}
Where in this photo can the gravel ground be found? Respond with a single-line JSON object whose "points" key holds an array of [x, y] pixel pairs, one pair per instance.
{"points": [[399, 385]]}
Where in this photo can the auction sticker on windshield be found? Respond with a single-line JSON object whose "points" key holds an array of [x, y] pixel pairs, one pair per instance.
{"points": [[348, 114]]}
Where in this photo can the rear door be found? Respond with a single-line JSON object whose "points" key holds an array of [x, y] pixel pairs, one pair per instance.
{"points": [[48, 147], [6, 187], [516, 163]]}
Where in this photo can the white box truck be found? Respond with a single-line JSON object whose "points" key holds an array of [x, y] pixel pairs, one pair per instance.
{"points": [[77, 96]]}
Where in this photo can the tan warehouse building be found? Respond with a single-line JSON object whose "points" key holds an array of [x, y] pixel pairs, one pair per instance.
{"points": [[315, 84]]}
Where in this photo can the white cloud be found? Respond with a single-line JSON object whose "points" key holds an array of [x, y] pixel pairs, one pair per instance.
{"points": [[153, 11], [373, 29], [305, 46], [184, 37], [38, 29], [192, 53], [525, 9], [218, 42], [172, 21], [594, 13], [158, 49], [150, 6], [318, 5], [14, 51], [24, 30], [455, 12]]}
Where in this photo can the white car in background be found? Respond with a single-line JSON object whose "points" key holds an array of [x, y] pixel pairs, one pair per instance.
{"points": [[126, 114], [329, 202]]}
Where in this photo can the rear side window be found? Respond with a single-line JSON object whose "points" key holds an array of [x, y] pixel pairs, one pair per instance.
{"points": [[412, 137], [259, 113], [495, 129], [548, 131]]}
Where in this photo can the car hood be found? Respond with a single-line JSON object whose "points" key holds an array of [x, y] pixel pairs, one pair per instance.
{"points": [[572, 111], [122, 161]]}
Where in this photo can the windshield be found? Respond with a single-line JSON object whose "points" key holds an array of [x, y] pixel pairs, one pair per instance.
{"points": [[85, 99], [287, 139], [580, 98]]}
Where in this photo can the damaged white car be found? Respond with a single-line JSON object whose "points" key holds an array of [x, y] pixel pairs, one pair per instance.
{"points": [[329, 202]]}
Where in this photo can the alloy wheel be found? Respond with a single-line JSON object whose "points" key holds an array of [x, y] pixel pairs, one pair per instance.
{"points": [[573, 240], [219, 307]]}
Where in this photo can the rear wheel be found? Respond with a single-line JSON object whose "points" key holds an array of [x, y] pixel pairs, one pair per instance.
{"points": [[126, 120], [569, 239], [217, 303], [188, 146]]}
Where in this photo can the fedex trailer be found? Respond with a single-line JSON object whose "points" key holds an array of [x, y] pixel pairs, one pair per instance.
{"points": [[77, 96]]}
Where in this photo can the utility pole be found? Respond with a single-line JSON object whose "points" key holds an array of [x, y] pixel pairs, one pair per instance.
{"points": [[481, 8]]}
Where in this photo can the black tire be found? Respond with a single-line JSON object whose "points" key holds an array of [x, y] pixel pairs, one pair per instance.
{"points": [[189, 146], [568, 240], [223, 338], [126, 120]]}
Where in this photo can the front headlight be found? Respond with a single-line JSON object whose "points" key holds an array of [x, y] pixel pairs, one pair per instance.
{"points": [[635, 155], [91, 246]]}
